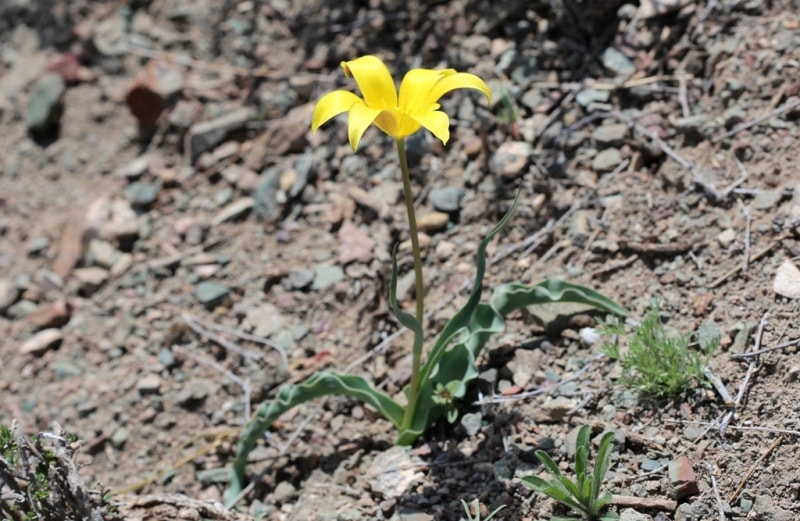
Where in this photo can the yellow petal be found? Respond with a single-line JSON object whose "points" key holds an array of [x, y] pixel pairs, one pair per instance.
{"points": [[458, 80], [330, 105], [374, 80], [396, 123], [359, 119], [416, 87], [437, 122]]}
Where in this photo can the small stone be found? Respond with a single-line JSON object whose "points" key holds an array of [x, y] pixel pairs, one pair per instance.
{"points": [[589, 96], [8, 294], [102, 253], [153, 87], [52, 314], [767, 199], [166, 358], [472, 423], [682, 478], [629, 514], [726, 237], [446, 199], [205, 135], [734, 115], [432, 222], [142, 195], [149, 384], [37, 245], [119, 437], [618, 63], [300, 278], [284, 492], [691, 432], [610, 135], [211, 294], [607, 160], [90, 279], [392, 472], [194, 392], [265, 320], [555, 409], [524, 364], [234, 210], [41, 342], [326, 277], [44, 107], [123, 263], [511, 158], [135, 169], [690, 123]]}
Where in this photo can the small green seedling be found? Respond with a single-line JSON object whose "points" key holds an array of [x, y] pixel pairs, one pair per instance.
{"points": [[582, 495], [476, 507], [659, 363]]}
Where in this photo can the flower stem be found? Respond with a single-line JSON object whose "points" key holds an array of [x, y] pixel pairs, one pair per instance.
{"points": [[416, 360]]}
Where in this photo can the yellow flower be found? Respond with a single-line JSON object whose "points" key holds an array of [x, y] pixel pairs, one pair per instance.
{"points": [[399, 115]]}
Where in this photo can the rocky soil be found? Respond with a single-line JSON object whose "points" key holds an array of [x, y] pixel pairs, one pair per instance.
{"points": [[175, 245]]}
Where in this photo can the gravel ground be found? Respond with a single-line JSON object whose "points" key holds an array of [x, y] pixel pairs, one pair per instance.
{"points": [[175, 245]]}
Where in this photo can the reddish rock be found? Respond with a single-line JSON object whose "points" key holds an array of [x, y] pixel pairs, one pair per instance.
{"points": [[682, 478], [69, 67], [151, 90], [52, 314]]}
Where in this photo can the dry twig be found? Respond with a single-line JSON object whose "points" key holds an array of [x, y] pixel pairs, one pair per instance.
{"points": [[756, 464], [720, 505]]}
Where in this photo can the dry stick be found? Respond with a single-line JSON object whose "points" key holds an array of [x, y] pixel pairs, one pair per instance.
{"points": [[748, 222], [682, 96], [750, 370], [753, 468], [787, 432], [720, 505], [784, 345], [734, 271], [195, 323], [687, 165], [789, 105], [669, 505]]}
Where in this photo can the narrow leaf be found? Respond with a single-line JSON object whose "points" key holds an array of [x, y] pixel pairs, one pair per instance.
{"points": [[318, 385], [510, 297]]}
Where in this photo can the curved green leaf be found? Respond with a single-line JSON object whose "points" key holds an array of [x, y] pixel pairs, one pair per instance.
{"points": [[320, 384], [510, 297]]}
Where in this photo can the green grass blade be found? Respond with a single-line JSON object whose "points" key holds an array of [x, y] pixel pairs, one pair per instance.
{"points": [[549, 464], [601, 464], [318, 385], [510, 297]]}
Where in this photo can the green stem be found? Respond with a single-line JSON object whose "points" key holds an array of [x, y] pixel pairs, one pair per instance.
{"points": [[416, 361]]}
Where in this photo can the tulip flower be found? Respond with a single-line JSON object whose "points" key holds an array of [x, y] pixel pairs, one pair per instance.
{"points": [[397, 114]]}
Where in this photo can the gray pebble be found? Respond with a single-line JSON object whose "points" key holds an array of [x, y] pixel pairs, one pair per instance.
{"points": [[141, 195], [607, 160], [615, 61], [612, 134], [472, 423], [326, 277], [589, 96], [119, 437], [446, 199], [300, 278], [44, 107], [211, 294]]}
